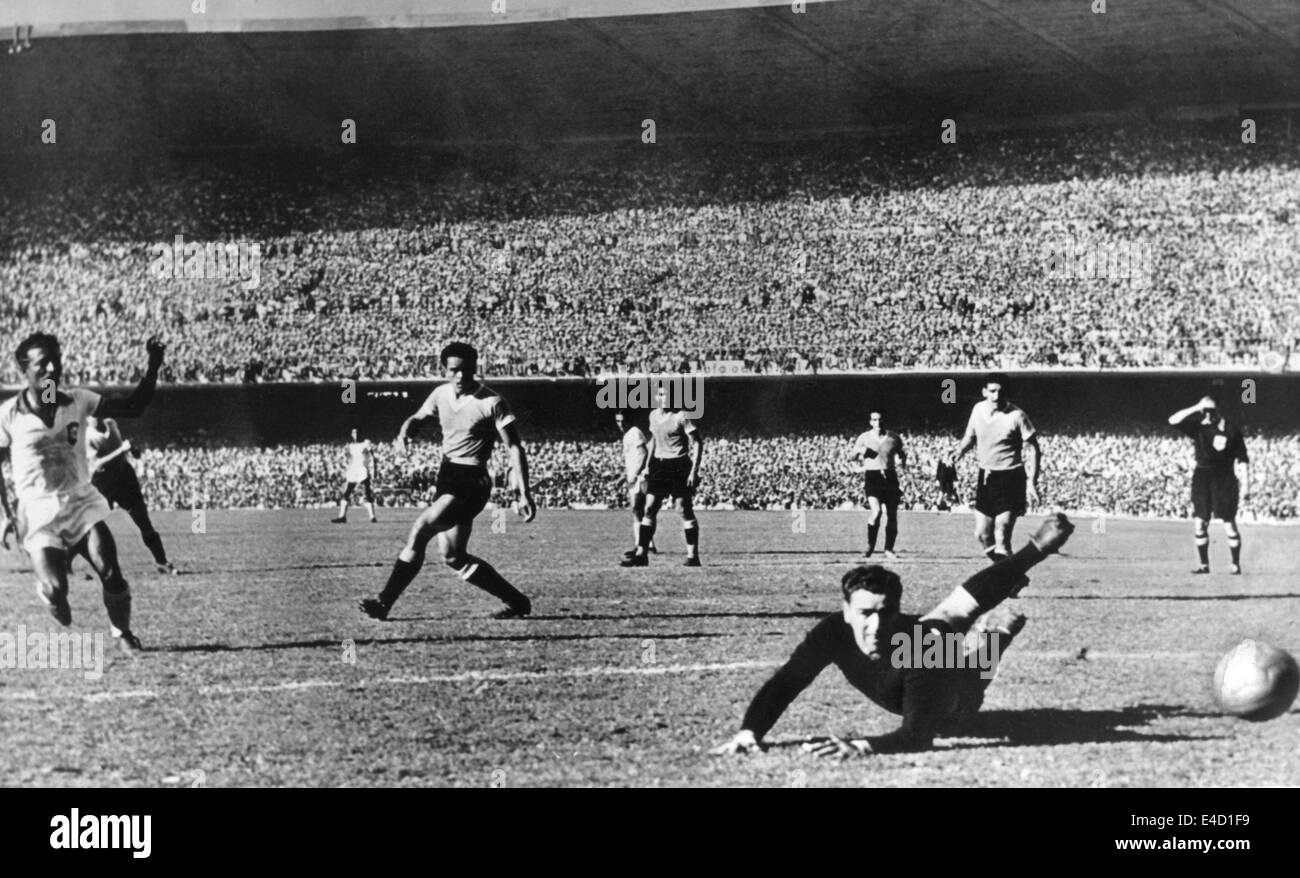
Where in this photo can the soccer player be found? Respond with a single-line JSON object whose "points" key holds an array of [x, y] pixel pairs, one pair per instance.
{"points": [[472, 416], [1215, 489], [114, 477], [636, 446], [877, 450], [361, 463], [42, 430], [863, 641], [676, 449], [1010, 459]]}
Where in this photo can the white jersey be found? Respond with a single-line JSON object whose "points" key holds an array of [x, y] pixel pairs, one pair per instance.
{"points": [[359, 461], [48, 460], [635, 444]]}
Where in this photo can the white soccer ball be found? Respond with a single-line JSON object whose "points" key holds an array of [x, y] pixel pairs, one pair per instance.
{"points": [[1256, 681]]}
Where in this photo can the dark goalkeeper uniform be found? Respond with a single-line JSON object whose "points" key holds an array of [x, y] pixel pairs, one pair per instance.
{"points": [[927, 698], [1214, 484]]}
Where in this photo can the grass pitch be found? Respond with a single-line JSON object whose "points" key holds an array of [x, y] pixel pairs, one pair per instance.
{"points": [[260, 672]]}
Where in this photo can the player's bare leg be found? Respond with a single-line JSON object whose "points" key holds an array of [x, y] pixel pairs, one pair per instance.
{"points": [[1234, 545], [454, 543], [101, 551], [891, 528], [1201, 536], [691, 531], [873, 525], [645, 533], [636, 502], [1003, 526], [984, 533], [51, 568], [152, 540]]}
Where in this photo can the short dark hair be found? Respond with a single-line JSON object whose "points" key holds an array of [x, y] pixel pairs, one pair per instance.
{"points": [[875, 579], [37, 340], [876, 410], [461, 351], [999, 378]]}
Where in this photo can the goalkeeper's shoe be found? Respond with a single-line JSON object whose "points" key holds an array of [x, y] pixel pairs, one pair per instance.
{"points": [[635, 561], [374, 608]]}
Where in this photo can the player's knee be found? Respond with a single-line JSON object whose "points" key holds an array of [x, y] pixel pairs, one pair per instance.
{"points": [[115, 582], [1230, 528], [1200, 527]]}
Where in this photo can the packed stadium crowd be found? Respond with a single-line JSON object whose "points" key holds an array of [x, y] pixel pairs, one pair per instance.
{"points": [[1122, 475], [838, 256]]}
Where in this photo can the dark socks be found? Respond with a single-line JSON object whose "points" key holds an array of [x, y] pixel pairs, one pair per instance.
{"points": [[403, 573], [484, 575]]}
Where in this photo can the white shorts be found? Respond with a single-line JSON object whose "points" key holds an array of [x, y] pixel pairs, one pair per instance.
{"points": [[356, 475], [59, 521]]}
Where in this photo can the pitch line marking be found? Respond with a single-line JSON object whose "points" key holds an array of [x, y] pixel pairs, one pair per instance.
{"points": [[516, 676]]}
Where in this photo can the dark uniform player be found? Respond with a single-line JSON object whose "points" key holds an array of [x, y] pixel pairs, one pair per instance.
{"points": [[1215, 490], [858, 639], [879, 449], [115, 478], [1006, 445], [472, 417], [676, 448]]}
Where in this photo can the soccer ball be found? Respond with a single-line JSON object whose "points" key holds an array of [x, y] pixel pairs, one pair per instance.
{"points": [[1256, 681]]}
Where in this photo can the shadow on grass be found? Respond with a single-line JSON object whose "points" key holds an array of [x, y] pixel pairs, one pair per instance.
{"points": [[1052, 726]]}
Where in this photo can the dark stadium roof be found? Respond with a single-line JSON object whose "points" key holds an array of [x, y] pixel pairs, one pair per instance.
{"points": [[755, 71]]}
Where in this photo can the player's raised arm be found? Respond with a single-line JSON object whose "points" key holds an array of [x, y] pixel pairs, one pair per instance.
{"points": [[518, 466], [1183, 414], [134, 405]]}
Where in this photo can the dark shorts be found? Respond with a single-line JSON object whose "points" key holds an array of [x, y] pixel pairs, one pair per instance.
{"points": [[119, 484], [1000, 491], [1214, 490], [883, 485], [470, 485], [669, 477], [366, 490]]}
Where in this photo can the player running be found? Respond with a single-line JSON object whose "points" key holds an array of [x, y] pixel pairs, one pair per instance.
{"points": [[878, 449], [114, 477], [361, 463], [636, 447], [1001, 434], [869, 640], [42, 430], [472, 416], [1215, 489], [676, 449]]}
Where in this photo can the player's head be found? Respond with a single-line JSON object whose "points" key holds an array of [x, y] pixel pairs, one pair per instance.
{"points": [[877, 416], [353, 434], [871, 598], [995, 388], [663, 396], [459, 363], [626, 419], [40, 358]]}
